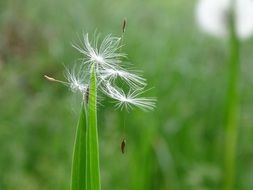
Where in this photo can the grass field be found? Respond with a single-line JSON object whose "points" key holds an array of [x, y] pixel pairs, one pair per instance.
{"points": [[178, 146]]}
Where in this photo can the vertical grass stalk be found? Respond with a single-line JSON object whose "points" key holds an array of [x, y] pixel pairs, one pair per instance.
{"points": [[85, 164], [231, 129], [93, 153], [78, 174]]}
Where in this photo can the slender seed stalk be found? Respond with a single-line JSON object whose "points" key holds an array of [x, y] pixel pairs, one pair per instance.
{"points": [[231, 129]]}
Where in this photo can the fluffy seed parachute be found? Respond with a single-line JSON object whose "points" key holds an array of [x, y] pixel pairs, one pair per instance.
{"points": [[106, 57]]}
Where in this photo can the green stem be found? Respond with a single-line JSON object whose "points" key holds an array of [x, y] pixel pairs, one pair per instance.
{"points": [[85, 164], [93, 144], [231, 129]]}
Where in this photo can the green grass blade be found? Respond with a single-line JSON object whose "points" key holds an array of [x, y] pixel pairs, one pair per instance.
{"points": [[85, 165], [232, 109], [78, 176], [93, 147]]}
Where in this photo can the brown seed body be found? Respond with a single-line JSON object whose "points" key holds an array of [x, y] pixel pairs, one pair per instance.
{"points": [[123, 145], [87, 94], [124, 26]]}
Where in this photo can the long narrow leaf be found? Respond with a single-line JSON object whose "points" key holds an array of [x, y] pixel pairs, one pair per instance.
{"points": [[78, 178], [85, 166], [93, 147]]}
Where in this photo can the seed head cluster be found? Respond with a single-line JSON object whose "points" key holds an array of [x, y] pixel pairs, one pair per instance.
{"points": [[106, 58]]}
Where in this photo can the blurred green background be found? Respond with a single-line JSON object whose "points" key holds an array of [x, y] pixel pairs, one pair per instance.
{"points": [[178, 146]]}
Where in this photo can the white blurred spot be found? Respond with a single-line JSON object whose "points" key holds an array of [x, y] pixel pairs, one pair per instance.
{"points": [[212, 16]]}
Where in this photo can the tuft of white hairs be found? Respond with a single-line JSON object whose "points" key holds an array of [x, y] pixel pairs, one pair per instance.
{"points": [[130, 99], [105, 57]]}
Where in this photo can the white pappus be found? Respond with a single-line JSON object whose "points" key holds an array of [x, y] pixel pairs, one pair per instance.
{"points": [[107, 60]]}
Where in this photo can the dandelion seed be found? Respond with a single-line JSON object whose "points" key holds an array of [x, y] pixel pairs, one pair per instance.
{"points": [[87, 94], [131, 99], [133, 80], [55, 80], [124, 26], [123, 146], [76, 80], [106, 56]]}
